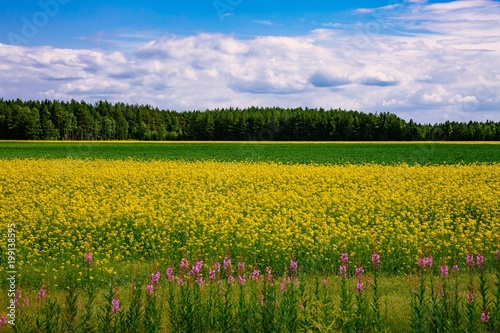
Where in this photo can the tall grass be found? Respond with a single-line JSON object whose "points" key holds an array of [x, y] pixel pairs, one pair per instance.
{"points": [[222, 298]]}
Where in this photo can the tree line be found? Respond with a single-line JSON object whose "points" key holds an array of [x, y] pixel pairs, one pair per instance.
{"points": [[73, 120]]}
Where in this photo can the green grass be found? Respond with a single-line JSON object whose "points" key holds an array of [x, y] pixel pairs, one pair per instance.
{"points": [[322, 153]]}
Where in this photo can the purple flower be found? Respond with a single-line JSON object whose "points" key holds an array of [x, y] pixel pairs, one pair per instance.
{"points": [[241, 279], [479, 260], [26, 302], [149, 288], [227, 263], [284, 284], [17, 299], [155, 277], [470, 296], [425, 262], [115, 307], [170, 274], [497, 252], [199, 280], [217, 266], [485, 317], [456, 268], [359, 272], [180, 280], [344, 259], [444, 271], [211, 274], [42, 294], [255, 274], [3, 321], [230, 279], [343, 271], [469, 260], [359, 286], [184, 266], [375, 259], [269, 274], [196, 269], [87, 258], [293, 266], [324, 281], [241, 267]]}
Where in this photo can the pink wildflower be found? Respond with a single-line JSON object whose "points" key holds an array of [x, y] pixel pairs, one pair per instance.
{"points": [[3, 321], [211, 274], [359, 286], [17, 299], [170, 274], [199, 280], [284, 284], [343, 271], [444, 271], [150, 288], [217, 266], [359, 272], [184, 266], [344, 259], [255, 274], [155, 277], [196, 269], [227, 263], [376, 260], [479, 260], [42, 294], [241, 267], [425, 262], [269, 274], [115, 307], [470, 296], [469, 260], [485, 317], [87, 258]]}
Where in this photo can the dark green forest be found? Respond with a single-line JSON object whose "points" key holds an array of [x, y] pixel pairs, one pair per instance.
{"points": [[58, 120]]}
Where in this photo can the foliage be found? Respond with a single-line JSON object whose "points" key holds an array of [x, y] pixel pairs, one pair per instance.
{"points": [[57, 120]]}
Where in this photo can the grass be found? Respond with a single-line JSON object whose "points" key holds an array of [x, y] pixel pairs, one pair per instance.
{"points": [[322, 153]]}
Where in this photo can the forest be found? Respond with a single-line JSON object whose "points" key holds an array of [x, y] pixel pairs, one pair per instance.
{"points": [[73, 120]]}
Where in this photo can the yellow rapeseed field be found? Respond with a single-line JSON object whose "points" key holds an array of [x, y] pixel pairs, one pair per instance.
{"points": [[124, 211]]}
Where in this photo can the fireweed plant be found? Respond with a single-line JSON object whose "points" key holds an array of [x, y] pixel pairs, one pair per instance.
{"points": [[233, 296]]}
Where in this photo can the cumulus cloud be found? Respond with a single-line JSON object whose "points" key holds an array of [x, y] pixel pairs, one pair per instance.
{"points": [[429, 62]]}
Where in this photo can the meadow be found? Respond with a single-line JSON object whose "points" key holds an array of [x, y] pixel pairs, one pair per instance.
{"points": [[151, 237]]}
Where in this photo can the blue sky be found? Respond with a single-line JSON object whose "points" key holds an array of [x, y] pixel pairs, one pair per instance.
{"points": [[426, 60]]}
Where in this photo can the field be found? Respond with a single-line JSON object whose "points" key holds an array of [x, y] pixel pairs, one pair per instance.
{"points": [[199, 237], [285, 152]]}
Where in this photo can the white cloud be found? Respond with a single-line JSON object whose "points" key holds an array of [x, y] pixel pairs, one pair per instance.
{"points": [[264, 22], [384, 64]]}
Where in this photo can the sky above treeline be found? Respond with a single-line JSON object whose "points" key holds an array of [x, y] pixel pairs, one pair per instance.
{"points": [[429, 61]]}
